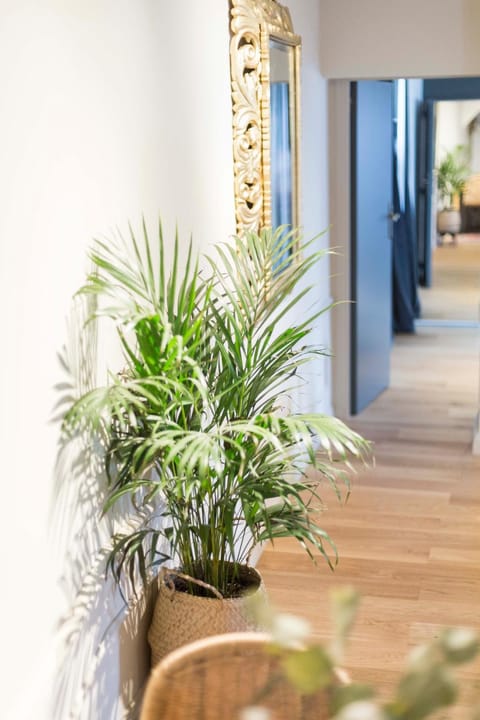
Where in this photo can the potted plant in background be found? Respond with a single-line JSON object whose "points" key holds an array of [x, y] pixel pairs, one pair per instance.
{"points": [[199, 459], [452, 175]]}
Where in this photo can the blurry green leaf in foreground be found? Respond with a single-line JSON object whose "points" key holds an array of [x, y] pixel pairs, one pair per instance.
{"points": [[362, 710], [344, 602], [289, 630], [309, 670], [419, 694], [347, 694], [459, 644], [426, 685]]}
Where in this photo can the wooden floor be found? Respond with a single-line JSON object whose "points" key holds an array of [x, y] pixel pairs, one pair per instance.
{"points": [[409, 537], [455, 290]]}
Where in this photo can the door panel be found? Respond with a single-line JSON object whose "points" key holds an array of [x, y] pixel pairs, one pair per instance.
{"points": [[371, 280]]}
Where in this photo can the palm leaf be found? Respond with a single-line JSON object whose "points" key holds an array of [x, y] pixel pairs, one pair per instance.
{"points": [[191, 423]]}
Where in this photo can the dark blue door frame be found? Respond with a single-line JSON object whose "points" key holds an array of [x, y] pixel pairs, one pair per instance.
{"points": [[426, 159]]}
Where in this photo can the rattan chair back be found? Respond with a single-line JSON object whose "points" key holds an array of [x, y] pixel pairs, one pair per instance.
{"points": [[214, 678]]}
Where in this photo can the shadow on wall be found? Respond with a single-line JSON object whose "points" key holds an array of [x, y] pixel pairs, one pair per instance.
{"points": [[101, 646], [135, 666]]}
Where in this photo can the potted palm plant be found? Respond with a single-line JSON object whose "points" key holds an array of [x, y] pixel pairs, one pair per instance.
{"points": [[452, 175], [198, 454]]}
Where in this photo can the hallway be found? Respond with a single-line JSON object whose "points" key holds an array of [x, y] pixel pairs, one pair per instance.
{"points": [[409, 536]]}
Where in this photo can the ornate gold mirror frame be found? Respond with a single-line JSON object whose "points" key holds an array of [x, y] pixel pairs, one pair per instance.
{"points": [[255, 25]]}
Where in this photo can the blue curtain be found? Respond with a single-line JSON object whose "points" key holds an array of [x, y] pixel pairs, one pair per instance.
{"points": [[406, 306], [281, 157]]}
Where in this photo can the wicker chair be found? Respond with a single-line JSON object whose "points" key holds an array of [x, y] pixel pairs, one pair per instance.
{"points": [[214, 678]]}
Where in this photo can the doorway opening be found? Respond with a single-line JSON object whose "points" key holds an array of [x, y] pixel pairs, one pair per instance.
{"points": [[452, 297], [415, 205]]}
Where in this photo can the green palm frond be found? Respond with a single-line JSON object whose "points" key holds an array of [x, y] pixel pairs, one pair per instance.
{"points": [[251, 295], [132, 284], [452, 173], [190, 427]]}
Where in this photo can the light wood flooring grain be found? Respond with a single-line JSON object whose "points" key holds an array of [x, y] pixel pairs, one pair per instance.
{"points": [[409, 537], [455, 290]]}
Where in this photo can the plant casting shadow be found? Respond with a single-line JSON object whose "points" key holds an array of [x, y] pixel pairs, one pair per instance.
{"points": [[201, 464]]}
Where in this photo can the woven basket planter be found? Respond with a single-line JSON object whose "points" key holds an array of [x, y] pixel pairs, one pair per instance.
{"points": [[180, 618]]}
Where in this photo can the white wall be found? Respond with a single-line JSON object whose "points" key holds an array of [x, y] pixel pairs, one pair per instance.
{"points": [[469, 109], [450, 128], [375, 39], [314, 210], [108, 109], [339, 178]]}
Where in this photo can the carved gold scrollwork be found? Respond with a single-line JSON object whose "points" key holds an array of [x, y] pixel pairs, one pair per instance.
{"points": [[247, 136], [252, 24]]}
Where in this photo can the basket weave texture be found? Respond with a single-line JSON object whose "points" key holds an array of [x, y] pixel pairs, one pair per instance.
{"points": [[214, 678], [180, 618]]}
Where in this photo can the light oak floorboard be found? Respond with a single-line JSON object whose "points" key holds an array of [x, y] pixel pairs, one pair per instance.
{"points": [[455, 290], [409, 536]]}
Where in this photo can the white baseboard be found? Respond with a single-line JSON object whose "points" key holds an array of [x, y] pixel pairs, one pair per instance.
{"points": [[256, 554], [476, 436]]}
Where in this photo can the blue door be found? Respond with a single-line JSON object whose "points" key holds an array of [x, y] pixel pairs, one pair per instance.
{"points": [[371, 266]]}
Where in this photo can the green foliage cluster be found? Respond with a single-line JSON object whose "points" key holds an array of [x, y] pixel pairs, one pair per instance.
{"points": [[191, 427], [452, 174], [427, 684]]}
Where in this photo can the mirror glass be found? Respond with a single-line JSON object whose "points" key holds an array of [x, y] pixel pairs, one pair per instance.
{"points": [[281, 135]]}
